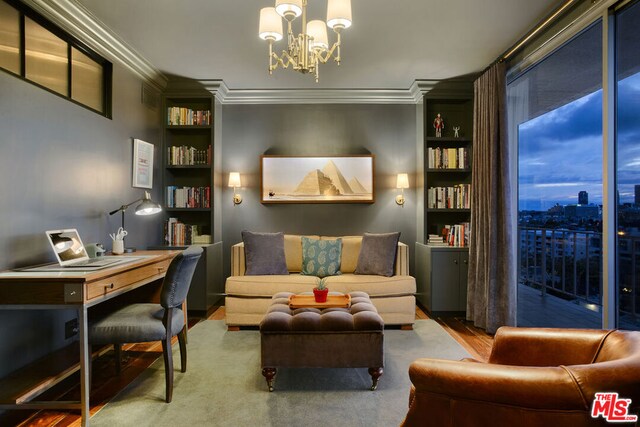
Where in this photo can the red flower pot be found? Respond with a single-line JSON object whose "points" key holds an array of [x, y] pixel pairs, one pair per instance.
{"points": [[320, 295]]}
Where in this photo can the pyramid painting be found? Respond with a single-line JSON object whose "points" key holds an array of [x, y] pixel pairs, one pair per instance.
{"points": [[317, 179]]}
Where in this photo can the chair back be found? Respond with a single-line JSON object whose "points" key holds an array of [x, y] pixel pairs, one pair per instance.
{"points": [[178, 278]]}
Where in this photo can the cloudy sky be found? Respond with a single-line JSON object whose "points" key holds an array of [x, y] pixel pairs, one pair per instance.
{"points": [[560, 152]]}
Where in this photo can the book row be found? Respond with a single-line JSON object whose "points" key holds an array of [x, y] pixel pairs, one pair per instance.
{"points": [[451, 235], [456, 197], [448, 158], [179, 116], [177, 233], [183, 155], [188, 197]]}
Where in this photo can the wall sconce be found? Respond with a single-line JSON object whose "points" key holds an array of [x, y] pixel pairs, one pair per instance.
{"points": [[234, 181], [402, 182]]}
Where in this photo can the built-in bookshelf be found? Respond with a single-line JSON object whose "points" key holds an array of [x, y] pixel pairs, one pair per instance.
{"points": [[442, 260], [188, 170], [448, 168]]}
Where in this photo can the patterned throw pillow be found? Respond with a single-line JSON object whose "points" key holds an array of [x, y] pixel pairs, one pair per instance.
{"points": [[321, 257]]}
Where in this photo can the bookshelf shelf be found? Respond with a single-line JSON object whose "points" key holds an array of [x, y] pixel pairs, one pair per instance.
{"points": [[448, 170], [447, 139], [188, 167], [435, 210]]}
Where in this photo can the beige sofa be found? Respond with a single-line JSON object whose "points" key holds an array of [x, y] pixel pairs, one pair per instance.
{"points": [[248, 297]]}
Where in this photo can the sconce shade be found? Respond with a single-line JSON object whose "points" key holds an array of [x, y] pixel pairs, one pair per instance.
{"points": [[339, 14], [234, 179], [291, 8], [270, 24], [402, 180], [147, 206]]}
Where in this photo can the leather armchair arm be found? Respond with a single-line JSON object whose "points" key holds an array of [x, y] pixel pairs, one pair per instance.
{"points": [[532, 387], [545, 347]]}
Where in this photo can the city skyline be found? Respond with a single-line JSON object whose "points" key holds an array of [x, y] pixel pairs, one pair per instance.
{"points": [[566, 144]]}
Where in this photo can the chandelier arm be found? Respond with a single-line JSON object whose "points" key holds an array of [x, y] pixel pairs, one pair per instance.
{"points": [[283, 61]]}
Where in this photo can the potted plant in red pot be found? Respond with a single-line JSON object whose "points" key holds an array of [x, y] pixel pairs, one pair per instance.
{"points": [[320, 292]]}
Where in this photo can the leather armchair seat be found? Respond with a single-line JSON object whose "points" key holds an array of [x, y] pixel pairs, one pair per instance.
{"points": [[534, 377]]}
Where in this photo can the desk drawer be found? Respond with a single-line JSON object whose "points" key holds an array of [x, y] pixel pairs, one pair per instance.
{"points": [[126, 278]]}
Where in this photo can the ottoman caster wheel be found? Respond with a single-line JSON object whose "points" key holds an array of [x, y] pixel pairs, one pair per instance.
{"points": [[269, 374], [375, 373]]}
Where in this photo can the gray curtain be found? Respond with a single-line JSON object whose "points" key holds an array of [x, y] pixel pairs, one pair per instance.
{"points": [[491, 295]]}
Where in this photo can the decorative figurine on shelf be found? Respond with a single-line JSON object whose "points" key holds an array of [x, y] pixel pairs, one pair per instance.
{"points": [[438, 125], [456, 129]]}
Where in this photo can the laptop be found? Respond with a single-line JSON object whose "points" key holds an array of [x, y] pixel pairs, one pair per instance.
{"points": [[70, 252]]}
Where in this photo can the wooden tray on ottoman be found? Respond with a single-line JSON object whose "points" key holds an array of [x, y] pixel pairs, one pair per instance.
{"points": [[309, 301]]}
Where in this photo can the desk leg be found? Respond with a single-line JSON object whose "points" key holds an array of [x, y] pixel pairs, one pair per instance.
{"points": [[84, 365]]}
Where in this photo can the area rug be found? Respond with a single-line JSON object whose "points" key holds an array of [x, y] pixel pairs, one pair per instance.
{"points": [[223, 385]]}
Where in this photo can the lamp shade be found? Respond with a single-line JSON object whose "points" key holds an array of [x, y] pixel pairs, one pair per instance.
{"points": [[147, 206], [270, 27], [402, 180], [234, 179], [339, 14], [318, 30], [289, 9]]}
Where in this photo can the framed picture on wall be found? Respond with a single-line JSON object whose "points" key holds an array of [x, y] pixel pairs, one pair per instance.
{"points": [[142, 164], [310, 179]]}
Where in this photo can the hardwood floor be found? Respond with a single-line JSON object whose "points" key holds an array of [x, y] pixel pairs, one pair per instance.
{"points": [[139, 356]]}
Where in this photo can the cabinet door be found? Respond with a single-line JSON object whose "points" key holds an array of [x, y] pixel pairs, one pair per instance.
{"points": [[445, 277], [464, 269]]}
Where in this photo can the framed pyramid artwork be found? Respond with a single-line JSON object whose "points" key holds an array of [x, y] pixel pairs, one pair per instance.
{"points": [[311, 179]]}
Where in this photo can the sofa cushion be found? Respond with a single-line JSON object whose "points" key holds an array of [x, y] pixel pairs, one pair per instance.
{"points": [[293, 251], [350, 252], [321, 257], [378, 254], [264, 253], [267, 286], [373, 285]]}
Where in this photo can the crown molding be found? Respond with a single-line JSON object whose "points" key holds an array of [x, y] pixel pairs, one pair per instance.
{"points": [[78, 21], [224, 95]]}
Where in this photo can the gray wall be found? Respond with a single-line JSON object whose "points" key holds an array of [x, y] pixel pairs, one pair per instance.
{"points": [[387, 131], [65, 166]]}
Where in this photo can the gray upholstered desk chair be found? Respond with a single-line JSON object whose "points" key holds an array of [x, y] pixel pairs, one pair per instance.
{"points": [[148, 322]]}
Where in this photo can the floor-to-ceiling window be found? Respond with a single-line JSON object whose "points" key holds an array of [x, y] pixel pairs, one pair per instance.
{"points": [[628, 165], [555, 112]]}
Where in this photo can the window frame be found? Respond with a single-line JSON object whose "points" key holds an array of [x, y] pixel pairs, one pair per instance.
{"points": [[107, 67]]}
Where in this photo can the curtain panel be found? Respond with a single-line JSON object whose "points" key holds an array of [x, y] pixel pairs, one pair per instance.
{"points": [[492, 281]]}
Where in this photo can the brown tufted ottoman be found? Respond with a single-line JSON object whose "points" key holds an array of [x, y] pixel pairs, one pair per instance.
{"points": [[329, 338]]}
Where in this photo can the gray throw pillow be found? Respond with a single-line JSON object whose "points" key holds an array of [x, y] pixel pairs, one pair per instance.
{"points": [[264, 253], [378, 254]]}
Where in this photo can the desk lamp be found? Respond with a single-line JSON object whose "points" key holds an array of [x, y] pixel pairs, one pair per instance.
{"points": [[146, 207]]}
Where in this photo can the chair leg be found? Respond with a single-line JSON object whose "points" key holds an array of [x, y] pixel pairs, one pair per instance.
{"points": [[117, 353], [168, 368], [182, 340]]}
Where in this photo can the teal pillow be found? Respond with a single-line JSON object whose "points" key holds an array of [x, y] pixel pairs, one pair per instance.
{"points": [[321, 257]]}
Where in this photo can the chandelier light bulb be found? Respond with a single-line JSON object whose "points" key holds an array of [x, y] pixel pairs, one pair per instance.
{"points": [[270, 24], [339, 14], [289, 9], [317, 29]]}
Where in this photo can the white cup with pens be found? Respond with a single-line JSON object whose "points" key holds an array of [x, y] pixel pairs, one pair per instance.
{"points": [[117, 247]]}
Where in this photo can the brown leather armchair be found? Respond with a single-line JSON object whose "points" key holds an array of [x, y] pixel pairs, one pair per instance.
{"points": [[534, 377]]}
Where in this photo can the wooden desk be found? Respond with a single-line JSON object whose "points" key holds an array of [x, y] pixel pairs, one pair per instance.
{"points": [[79, 290]]}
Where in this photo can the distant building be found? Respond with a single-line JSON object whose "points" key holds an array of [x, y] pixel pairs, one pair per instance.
{"points": [[581, 211], [583, 197], [637, 187]]}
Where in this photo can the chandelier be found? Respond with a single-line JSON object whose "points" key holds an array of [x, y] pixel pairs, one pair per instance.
{"points": [[308, 49]]}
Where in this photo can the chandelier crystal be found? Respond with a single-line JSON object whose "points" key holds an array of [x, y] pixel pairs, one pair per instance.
{"points": [[310, 47]]}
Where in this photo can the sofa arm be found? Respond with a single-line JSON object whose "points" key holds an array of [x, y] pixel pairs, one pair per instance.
{"points": [[537, 387], [402, 260], [545, 346], [238, 266]]}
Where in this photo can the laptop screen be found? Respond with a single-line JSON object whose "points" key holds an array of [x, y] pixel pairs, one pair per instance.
{"points": [[67, 246]]}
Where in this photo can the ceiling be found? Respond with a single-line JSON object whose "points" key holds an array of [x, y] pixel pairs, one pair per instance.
{"points": [[389, 45]]}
